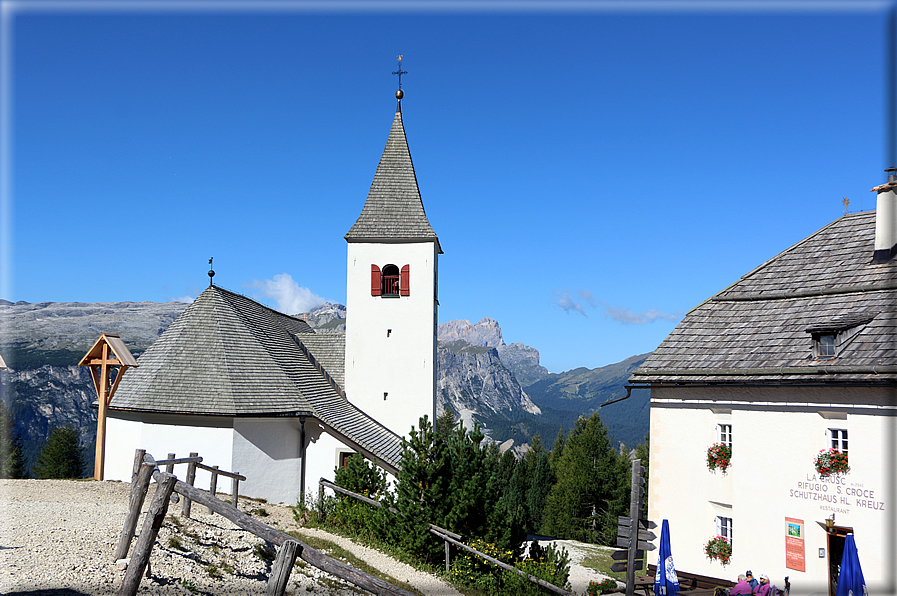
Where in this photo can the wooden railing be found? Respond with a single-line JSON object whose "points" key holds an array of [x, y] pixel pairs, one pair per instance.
{"points": [[446, 536], [288, 547]]}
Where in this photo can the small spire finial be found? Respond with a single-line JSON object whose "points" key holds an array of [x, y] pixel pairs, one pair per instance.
{"points": [[400, 72], [846, 202], [211, 272]]}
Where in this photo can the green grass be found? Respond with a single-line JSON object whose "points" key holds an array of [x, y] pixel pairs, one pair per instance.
{"points": [[600, 561], [335, 551]]}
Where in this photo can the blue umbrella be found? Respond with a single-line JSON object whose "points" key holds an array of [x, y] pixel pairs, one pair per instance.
{"points": [[850, 578], [666, 583]]}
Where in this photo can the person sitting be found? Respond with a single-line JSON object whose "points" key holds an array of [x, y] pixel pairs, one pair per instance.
{"points": [[764, 588], [742, 587], [750, 579]]}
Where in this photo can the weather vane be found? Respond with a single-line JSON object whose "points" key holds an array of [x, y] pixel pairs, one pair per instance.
{"points": [[846, 202], [400, 72], [211, 272]]}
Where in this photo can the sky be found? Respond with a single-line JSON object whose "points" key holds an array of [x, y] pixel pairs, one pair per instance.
{"points": [[593, 169]]}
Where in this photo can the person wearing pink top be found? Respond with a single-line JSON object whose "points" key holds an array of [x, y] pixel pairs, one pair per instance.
{"points": [[742, 587], [763, 588]]}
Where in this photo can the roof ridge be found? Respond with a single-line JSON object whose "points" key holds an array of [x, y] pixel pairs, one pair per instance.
{"points": [[717, 296]]}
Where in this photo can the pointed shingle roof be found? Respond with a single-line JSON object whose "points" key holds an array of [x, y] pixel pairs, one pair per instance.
{"points": [[393, 211], [760, 329], [227, 355]]}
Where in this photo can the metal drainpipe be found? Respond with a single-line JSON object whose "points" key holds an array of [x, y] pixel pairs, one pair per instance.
{"points": [[302, 464]]}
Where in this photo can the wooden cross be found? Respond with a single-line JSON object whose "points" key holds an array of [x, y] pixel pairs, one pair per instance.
{"points": [[109, 356]]}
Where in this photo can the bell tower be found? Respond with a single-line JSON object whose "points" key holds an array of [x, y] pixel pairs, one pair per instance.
{"points": [[391, 299]]}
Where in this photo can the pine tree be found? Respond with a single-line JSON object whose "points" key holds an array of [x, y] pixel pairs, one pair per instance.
{"points": [[591, 486], [539, 489], [422, 490], [61, 456], [12, 461]]}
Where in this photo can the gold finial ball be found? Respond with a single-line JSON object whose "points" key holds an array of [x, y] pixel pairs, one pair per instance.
{"points": [[399, 94]]}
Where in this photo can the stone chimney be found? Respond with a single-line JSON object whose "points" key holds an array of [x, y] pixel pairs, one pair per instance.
{"points": [[886, 219]]}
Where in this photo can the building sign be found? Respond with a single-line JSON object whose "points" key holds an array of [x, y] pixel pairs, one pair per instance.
{"points": [[794, 544], [836, 495]]}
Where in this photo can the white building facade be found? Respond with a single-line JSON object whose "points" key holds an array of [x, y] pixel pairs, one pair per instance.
{"points": [[797, 357]]}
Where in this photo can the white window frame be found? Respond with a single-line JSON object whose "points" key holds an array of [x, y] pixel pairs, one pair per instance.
{"points": [[836, 438], [724, 527], [724, 433]]}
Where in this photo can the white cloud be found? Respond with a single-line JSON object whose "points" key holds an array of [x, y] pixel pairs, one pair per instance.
{"points": [[291, 299], [184, 299], [624, 315]]}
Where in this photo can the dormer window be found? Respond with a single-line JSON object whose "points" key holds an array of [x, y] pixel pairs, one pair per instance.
{"points": [[390, 281], [826, 345], [831, 338]]}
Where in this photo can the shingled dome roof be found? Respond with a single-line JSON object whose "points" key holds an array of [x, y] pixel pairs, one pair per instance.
{"points": [[227, 355], [393, 211], [762, 328]]}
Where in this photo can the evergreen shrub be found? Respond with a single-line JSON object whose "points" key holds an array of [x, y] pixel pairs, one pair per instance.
{"points": [[61, 456]]}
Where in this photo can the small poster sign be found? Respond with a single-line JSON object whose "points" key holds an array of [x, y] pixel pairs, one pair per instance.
{"points": [[794, 544]]}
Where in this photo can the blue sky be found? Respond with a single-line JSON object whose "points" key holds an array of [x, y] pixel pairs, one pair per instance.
{"points": [[593, 171]]}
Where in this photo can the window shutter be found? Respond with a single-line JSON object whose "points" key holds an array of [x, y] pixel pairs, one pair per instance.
{"points": [[404, 281], [375, 280]]}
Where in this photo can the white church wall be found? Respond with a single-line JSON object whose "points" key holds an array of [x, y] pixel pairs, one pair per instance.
{"points": [[211, 437], [267, 452], [391, 341], [772, 478]]}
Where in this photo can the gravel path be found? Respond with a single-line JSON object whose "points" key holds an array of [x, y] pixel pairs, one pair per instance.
{"points": [[57, 537]]}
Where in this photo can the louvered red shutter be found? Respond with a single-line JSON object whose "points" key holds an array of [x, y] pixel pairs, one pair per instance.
{"points": [[404, 287], [375, 280]]}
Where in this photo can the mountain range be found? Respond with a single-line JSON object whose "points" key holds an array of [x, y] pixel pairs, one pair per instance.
{"points": [[482, 380]]}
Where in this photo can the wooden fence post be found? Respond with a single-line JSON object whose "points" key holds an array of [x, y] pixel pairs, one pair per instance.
{"points": [[235, 483], [214, 485], [149, 531], [169, 469], [280, 572], [138, 495], [448, 561], [138, 461], [191, 476]]}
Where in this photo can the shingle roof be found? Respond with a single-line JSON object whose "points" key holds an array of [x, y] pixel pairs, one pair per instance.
{"points": [[760, 329], [393, 211], [228, 355], [329, 349]]}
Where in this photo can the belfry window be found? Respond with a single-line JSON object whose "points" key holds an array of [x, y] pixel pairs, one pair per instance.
{"points": [[390, 281]]}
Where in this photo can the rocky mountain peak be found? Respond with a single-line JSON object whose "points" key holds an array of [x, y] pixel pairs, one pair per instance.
{"points": [[485, 333]]}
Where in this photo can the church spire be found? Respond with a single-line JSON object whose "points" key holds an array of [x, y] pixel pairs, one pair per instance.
{"points": [[393, 211]]}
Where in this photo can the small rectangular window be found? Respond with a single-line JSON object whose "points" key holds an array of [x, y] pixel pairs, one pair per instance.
{"points": [[826, 345], [724, 434], [838, 439], [724, 528]]}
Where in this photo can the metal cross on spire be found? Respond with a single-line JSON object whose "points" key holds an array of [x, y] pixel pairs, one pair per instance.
{"points": [[400, 72], [846, 202]]}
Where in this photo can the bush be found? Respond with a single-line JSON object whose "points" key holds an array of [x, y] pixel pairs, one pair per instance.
{"points": [[595, 588], [61, 457]]}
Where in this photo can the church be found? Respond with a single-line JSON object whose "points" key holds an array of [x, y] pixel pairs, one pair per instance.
{"points": [[259, 393]]}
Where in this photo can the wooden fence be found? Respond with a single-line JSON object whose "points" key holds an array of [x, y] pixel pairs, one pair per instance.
{"points": [[288, 547], [446, 536]]}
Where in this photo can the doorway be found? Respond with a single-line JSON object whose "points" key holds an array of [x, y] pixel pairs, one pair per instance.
{"points": [[834, 552]]}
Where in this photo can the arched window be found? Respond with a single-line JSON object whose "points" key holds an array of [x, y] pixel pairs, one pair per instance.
{"points": [[390, 281]]}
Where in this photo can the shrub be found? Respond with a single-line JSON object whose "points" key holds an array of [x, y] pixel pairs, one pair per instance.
{"points": [[595, 588]]}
